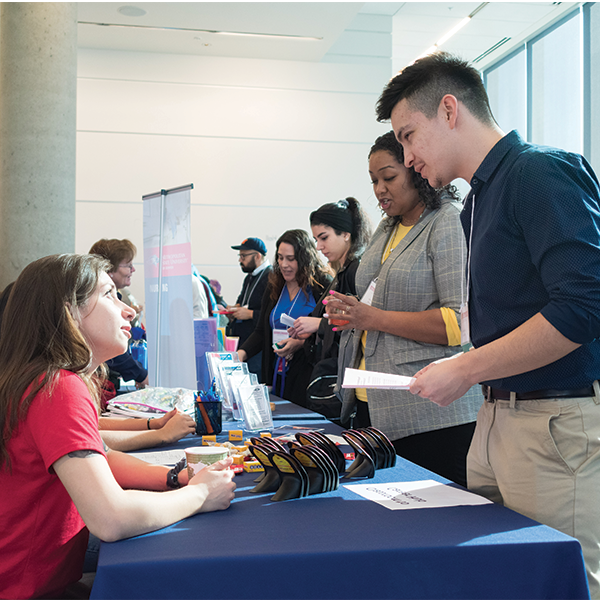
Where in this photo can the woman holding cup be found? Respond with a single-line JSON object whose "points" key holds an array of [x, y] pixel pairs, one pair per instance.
{"points": [[410, 282]]}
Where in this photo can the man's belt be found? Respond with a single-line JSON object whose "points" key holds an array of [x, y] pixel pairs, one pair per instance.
{"points": [[497, 394]]}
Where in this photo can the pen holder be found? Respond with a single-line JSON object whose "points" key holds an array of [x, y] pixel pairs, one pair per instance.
{"points": [[208, 417]]}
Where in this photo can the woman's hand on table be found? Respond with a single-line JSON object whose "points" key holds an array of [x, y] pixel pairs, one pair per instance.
{"points": [[304, 327], [288, 347], [242, 355], [348, 308], [218, 483], [177, 426]]}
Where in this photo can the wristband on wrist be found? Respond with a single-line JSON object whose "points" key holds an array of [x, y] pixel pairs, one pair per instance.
{"points": [[172, 479], [148, 424]]}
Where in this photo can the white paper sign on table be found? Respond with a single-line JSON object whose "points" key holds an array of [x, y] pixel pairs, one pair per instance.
{"points": [[403, 495], [357, 378], [160, 457]]}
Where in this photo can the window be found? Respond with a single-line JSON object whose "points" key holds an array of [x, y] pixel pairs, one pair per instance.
{"points": [[506, 85], [539, 89], [556, 86]]}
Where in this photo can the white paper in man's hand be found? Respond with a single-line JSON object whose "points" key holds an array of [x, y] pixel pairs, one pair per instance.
{"points": [[357, 378]]}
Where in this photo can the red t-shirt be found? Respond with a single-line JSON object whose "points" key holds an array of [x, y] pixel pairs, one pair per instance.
{"points": [[42, 536]]}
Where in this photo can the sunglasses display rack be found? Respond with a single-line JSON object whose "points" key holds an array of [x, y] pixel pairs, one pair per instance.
{"points": [[313, 464]]}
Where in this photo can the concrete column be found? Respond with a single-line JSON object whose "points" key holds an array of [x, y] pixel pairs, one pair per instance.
{"points": [[38, 77]]}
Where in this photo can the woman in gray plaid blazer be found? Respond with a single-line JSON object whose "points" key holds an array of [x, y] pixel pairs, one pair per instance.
{"points": [[412, 316]]}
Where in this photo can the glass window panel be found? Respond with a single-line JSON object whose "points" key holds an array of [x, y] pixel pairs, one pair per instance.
{"points": [[594, 70], [556, 101], [506, 86]]}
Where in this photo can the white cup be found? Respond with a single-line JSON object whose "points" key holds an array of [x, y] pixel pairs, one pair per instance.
{"points": [[203, 456]]}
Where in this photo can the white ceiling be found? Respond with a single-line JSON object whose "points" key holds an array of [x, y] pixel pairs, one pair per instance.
{"points": [[415, 26], [418, 25], [324, 20]]}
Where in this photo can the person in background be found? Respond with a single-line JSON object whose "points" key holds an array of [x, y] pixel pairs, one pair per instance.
{"points": [[341, 231], [130, 300], [215, 287], [532, 220], [121, 253], [297, 279], [410, 280], [201, 305], [56, 477], [244, 313]]}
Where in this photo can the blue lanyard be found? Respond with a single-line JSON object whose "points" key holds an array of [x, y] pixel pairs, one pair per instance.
{"points": [[278, 300]]}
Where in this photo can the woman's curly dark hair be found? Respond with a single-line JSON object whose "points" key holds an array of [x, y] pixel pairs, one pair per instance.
{"points": [[311, 271], [428, 195]]}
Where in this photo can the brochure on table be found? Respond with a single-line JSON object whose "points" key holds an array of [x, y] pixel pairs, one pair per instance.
{"points": [[240, 391]]}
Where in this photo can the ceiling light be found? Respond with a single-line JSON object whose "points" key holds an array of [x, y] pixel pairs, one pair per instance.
{"points": [[264, 35], [131, 11], [270, 35], [452, 32]]}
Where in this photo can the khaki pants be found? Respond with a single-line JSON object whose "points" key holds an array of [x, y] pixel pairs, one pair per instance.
{"points": [[541, 458]]}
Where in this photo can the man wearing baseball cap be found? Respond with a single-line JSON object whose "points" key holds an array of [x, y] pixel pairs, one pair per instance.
{"points": [[253, 261]]}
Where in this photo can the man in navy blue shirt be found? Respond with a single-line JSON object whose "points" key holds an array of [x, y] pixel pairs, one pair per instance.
{"points": [[532, 223]]}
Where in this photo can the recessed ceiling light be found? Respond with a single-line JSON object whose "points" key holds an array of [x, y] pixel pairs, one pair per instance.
{"points": [[131, 11], [262, 35]]}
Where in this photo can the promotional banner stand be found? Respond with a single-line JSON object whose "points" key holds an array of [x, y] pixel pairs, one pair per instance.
{"points": [[168, 286]]}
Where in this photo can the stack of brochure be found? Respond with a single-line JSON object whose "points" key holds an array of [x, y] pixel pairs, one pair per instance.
{"points": [[151, 402], [242, 395]]}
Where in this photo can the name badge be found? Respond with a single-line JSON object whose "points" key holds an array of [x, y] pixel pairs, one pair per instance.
{"points": [[465, 333], [279, 335], [368, 295]]}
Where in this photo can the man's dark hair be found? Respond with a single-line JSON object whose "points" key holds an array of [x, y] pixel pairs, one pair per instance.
{"points": [[428, 80]]}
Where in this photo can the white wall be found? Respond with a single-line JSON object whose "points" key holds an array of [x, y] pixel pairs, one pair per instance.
{"points": [[263, 142]]}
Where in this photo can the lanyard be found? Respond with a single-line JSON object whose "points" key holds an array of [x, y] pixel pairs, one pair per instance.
{"points": [[248, 295], [278, 300], [462, 283], [280, 362], [465, 327], [388, 250]]}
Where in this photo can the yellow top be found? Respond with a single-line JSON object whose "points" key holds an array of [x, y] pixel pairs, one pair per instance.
{"points": [[449, 316]]}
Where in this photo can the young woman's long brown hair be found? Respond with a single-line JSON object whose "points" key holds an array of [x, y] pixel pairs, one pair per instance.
{"points": [[311, 271], [40, 335]]}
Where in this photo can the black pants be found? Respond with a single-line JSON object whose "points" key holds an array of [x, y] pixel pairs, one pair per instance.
{"points": [[443, 451], [362, 418]]}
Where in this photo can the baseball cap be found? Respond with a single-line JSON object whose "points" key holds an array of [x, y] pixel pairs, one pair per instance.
{"points": [[252, 244]]}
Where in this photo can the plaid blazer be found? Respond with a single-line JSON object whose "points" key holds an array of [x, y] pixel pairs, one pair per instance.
{"points": [[425, 271]]}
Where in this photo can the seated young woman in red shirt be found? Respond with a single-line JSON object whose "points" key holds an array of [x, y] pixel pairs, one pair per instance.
{"points": [[63, 319]]}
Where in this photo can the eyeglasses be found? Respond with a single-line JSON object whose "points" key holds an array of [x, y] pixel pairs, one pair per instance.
{"points": [[127, 266], [246, 255]]}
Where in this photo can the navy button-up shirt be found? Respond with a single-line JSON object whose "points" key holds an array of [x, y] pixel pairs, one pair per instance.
{"points": [[536, 248]]}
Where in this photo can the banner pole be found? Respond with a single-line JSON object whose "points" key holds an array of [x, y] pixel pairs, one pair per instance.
{"points": [[163, 195]]}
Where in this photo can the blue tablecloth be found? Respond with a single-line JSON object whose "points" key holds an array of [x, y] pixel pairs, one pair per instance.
{"points": [[287, 410], [339, 545]]}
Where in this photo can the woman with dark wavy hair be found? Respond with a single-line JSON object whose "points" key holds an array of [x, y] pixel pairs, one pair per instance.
{"points": [[297, 280], [57, 480], [410, 281]]}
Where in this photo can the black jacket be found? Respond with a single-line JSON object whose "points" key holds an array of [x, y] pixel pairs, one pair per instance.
{"points": [[325, 342], [252, 292]]}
